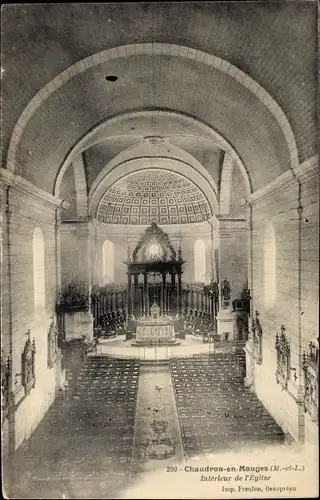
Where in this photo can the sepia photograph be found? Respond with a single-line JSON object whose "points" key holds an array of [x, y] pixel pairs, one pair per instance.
{"points": [[159, 244]]}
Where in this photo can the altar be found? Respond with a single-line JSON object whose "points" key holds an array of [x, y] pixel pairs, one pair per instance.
{"points": [[155, 329]]}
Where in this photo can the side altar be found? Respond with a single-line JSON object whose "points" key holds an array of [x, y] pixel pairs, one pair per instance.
{"points": [[155, 330]]}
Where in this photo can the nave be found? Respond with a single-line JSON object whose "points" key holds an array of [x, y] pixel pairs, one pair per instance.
{"points": [[159, 243], [92, 443]]}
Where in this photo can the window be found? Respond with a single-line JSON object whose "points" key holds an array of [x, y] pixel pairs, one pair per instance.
{"points": [[108, 261], [270, 265], [154, 251], [199, 261], [38, 271]]}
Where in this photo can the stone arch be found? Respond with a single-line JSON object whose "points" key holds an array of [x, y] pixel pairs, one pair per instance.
{"points": [[209, 134], [80, 186], [150, 49], [226, 184], [138, 151], [137, 164]]}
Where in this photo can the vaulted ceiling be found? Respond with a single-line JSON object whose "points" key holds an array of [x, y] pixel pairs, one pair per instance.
{"points": [[153, 196], [273, 43]]}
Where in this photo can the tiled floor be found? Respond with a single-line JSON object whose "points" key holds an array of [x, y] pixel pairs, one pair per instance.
{"points": [[92, 442], [83, 446], [216, 412]]}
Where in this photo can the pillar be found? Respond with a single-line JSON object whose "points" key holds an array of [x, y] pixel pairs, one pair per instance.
{"points": [[233, 262], [77, 238], [129, 295], [145, 293], [179, 294], [164, 294], [249, 347], [136, 301]]}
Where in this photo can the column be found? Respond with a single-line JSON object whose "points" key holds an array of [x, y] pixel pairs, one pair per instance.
{"points": [[173, 280], [164, 293], [173, 293], [233, 262], [145, 293], [135, 293], [77, 241], [116, 300], [129, 295], [7, 333], [249, 349], [213, 312], [59, 372], [250, 259], [179, 294]]}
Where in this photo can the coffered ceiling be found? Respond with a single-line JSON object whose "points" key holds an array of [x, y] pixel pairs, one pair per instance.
{"points": [[153, 196]]}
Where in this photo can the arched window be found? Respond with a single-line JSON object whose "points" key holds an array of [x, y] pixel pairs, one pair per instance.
{"points": [[270, 266], [108, 261], [38, 271], [154, 251], [199, 261]]}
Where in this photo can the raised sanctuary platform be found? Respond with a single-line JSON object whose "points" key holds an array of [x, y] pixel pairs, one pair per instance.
{"points": [[121, 348]]}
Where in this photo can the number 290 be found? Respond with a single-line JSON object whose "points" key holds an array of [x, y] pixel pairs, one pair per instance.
{"points": [[171, 468]]}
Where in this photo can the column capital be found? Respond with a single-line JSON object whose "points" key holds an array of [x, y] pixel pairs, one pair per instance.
{"points": [[80, 225], [228, 225]]}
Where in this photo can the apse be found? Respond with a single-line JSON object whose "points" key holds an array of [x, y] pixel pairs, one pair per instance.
{"points": [[153, 195]]}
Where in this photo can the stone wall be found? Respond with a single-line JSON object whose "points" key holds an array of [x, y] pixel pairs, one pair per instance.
{"points": [[238, 193], [290, 205], [77, 245], [233, 255], [27, 211], [68, 193], [121, 236]]}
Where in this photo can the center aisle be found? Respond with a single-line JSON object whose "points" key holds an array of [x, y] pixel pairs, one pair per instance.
{"points": [[155, 401]]}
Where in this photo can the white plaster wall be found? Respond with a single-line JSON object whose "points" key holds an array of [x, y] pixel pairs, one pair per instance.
{"points": [[298, 315], [27, 213]]}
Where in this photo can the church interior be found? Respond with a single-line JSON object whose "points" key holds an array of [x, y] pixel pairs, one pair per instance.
{"points": [[159, 239]]}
